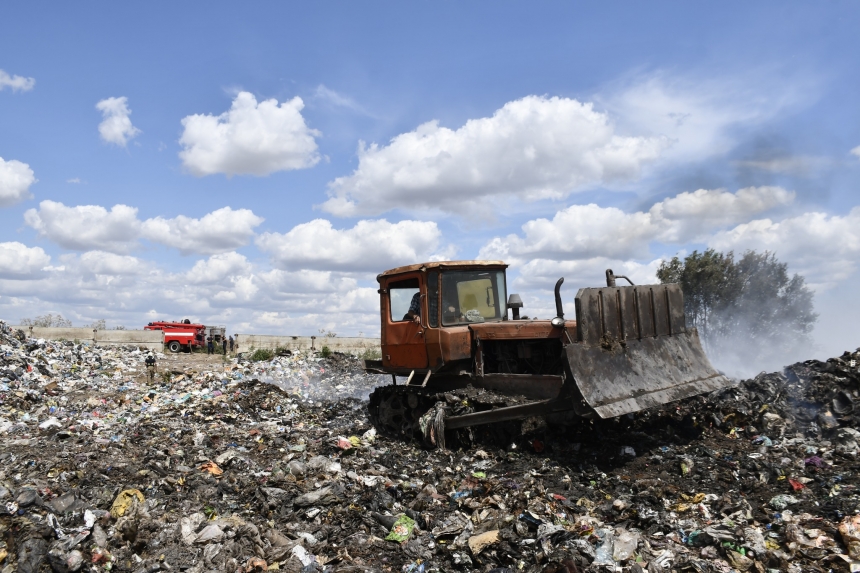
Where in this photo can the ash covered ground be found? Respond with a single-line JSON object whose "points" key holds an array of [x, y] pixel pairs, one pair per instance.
{"points": [[226, 465]]}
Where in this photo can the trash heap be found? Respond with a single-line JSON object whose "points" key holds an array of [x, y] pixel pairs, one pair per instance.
{"points": [[215, 470], [304, 373]]}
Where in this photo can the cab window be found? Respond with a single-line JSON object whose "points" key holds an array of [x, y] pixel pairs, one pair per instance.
{"points": [[473, 296], [400, 294]]}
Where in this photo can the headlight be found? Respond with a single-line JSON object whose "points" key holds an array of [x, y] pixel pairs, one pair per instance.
{"points": [[557, 322]]}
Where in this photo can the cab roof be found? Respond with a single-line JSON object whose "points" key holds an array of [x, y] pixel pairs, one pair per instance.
{"points": [[441, 265]]}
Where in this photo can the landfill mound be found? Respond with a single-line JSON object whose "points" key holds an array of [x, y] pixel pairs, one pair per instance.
{"points": [[216, 470]]}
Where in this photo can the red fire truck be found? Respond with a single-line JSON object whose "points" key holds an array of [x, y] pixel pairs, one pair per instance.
{"points": [[185, 335], [180, 335]]}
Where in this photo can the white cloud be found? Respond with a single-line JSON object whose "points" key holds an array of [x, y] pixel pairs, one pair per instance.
{"points": [[249, 139], [104, 263], [535, 280], [218, 268], [74, 180], [532, 148], [292, 284], [217, 232], [589, 231], [688, 215], [19, 261], [542, 273], [118, 230], [856, 151], [16, 83], [371, 246], [224, 289], [825, 249], [116, 126], [15, 180], [86, 227]]}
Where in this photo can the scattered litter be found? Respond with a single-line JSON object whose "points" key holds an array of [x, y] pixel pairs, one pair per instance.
{"points": [[241, 466]]}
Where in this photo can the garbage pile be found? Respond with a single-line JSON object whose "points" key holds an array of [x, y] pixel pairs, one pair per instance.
{"points": [[338, 376], [215, 470]]}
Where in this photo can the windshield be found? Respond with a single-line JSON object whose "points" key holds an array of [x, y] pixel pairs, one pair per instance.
{"points": [[473, 296]]}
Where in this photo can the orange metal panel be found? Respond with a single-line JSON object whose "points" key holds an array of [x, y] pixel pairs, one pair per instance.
{"points": [[519, 329], [456, 342], [403, 344]]}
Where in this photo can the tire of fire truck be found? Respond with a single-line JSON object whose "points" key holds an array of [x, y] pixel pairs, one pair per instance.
{"points": [[174, 346]]}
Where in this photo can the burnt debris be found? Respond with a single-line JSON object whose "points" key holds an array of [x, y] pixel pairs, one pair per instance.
{"points": [[232, 465]]}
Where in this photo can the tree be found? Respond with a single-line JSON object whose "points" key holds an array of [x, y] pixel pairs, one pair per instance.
{"points": [[48, 320], [751, 315]]}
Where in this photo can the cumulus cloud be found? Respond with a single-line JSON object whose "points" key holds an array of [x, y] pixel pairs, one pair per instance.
{"points": [[686, 216], [15, 180], [303, 283], [371, 245], [218, 268], [532, 148], [535, 280], [116, 127], [249, 139], [225, 288], [18, 261], [104, 263], [118, 230], [217, 232], [542, 273], [16, 83], [589, 231], [86, 227], [825, 249]]}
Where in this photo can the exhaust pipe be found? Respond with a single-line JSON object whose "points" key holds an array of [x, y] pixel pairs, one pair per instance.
{"points": [[559, 312]]}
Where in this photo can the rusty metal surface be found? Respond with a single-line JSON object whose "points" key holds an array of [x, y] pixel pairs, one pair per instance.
{"points": [[499, 415], [403, 344], [456, 343], [517, 329], [459, 265], [634, 350], [535, 387]]}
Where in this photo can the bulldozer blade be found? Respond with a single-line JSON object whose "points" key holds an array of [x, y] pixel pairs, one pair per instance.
{"points": [[634, 351]]}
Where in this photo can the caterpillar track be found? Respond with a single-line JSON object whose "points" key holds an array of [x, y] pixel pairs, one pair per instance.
{"points": [[415, 413]]}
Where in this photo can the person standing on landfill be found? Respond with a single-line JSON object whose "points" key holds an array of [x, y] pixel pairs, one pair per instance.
{"points": [[231, 345], [224, 344], [210, 345], [150, 366]]}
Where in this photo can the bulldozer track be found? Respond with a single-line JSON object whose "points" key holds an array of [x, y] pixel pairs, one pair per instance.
{"points": [[397, 410]]}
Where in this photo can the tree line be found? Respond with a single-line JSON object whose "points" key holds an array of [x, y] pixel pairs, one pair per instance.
{"points": [[751, 314], [57, 321]]}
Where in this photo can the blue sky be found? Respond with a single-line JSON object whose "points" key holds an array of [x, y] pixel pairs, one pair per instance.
{"points": [[258, 166]]}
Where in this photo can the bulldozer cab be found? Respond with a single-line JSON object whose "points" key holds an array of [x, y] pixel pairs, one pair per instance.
{"points": [[449, 296]]}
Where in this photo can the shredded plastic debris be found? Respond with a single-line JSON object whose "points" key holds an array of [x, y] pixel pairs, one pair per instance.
{"points": [[230, 465]]}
